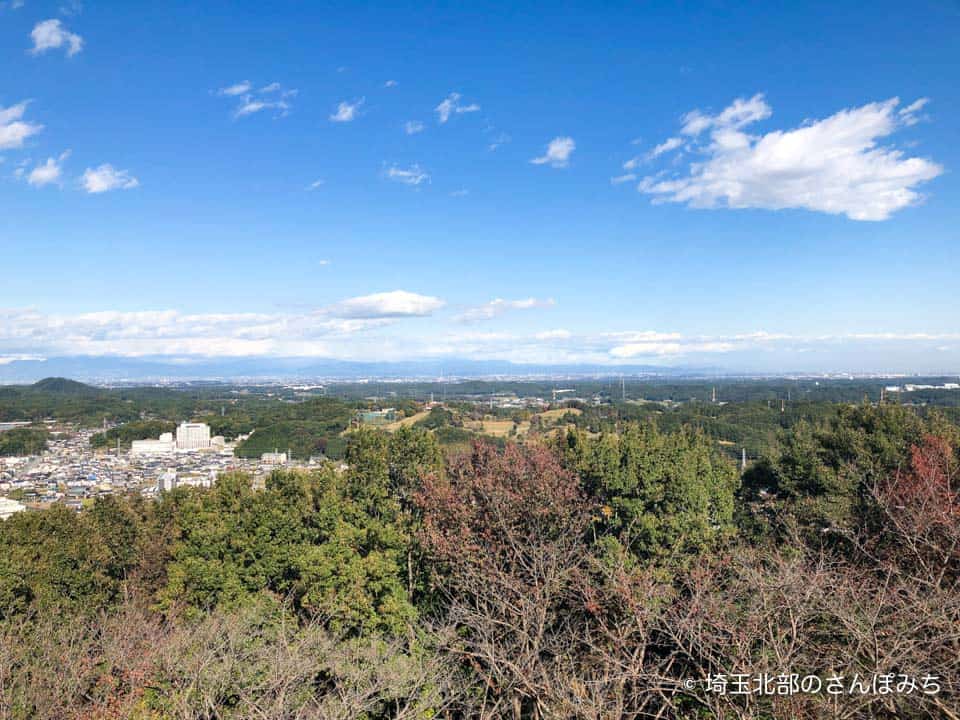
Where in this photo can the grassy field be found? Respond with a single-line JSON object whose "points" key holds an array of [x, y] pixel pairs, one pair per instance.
{"points": [[552, 416], [497, 428], [407, 421]]}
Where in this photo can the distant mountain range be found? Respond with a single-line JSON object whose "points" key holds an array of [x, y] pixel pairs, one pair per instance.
{"points": [[126, 369]]}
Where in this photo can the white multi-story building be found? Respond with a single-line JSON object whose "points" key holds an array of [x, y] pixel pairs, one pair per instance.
{"points": [[167, 481], [162, 446], [193, 436], [10, 507]]}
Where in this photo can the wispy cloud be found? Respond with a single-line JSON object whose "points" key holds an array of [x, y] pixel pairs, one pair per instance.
{"points": [[13, 129], [451, 105], [834, 165], [316, 184], [272, 96], [241, 88], [558, 153], [499, 306], [620, 179], [413, 175], [346, 111], [412, 127], [251, 106], [390, 84], [668, 145], [106, 178]]}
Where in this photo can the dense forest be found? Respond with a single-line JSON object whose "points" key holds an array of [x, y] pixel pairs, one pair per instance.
{"points": [[611, 570], [23, 441]]}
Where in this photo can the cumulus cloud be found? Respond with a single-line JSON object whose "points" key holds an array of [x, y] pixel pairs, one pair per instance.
{"points": [[49, 172], [346, 111], [413, 175], [412, 127], [394, 304], [558, 153], [52, 35], [451, 105], [499, 306], [835, 165], [13, 129], [105, 178]]}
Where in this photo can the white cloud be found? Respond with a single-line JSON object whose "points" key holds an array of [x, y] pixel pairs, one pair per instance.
{"points": [[52, 35], [240, 88], [463, 192], [833, 165], [316, 184], [558, 153], [499, 139], [558, 334], [13, 129], [323, 263], [665, 147], [390, 84], [617, 180], [366, 328], [451, 105], [249, 106], [740, 113], [269, 97], [908, 115], [105, 178], [412, 127], [394, 304], [49, 172], [346, 111], [412, 175], [499, 306]]}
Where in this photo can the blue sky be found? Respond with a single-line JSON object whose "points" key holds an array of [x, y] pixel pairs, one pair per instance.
{"points": [[710, 184]]}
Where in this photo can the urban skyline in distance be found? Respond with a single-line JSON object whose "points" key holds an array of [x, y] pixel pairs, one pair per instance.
{"points": [[525, 191]]}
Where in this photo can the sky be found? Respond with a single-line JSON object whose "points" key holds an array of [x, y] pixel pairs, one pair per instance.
{"points": [[750, 186]]}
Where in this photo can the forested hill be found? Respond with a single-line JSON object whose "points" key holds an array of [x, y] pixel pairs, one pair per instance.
{"points": [[64, 386], [599, 575]]}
